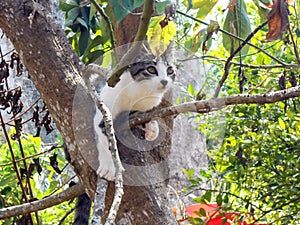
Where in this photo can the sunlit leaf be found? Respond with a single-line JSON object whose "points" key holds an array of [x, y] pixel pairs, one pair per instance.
{"points": [[281, 123], [159, 37], [204, 7]]}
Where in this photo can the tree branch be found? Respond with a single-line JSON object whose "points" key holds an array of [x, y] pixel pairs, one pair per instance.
{"points": [[136, 46], [108, 23], [236, 37], [108, 122], [47, 202], [228, 62], [99, 201], [215, 104], [251, 66]]}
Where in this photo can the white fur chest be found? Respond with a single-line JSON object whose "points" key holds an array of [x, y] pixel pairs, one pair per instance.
{"points": [[131, 95]]}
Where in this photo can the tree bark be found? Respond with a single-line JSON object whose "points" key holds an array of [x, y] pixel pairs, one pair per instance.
{"points": [[53, 67]]}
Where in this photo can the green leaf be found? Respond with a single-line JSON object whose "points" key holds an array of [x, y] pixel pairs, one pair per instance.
{"points": [[122, 8], [202, 212], [191, 90], [205, 7], [189, 173], [6, 190], [281, 124], [92, 56], [198, 4], [207, 196], [83, 41], [205, 174], [82, 23], [67, 5], [219, 199], [71, 16], [238, 23], [160, 6], [226, 199]]}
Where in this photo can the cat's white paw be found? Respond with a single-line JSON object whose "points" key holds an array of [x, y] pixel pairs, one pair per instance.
{"points": [[106, 168], [151, 130]]}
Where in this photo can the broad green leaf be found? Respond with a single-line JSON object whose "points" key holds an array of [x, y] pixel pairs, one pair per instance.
{"points": [[122, 8], [83, 41], [159, 37], [71, 16], [92, 56], [82, 22], [238, 23]]}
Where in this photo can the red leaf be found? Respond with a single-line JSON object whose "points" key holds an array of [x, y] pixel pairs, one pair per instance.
{"points": [[214, 216], [278, 20]]}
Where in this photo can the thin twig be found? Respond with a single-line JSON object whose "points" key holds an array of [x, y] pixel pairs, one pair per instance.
{"points": [[228, 62], [66, 216], [66, 182], [27, 175], [294, 200], [295, 46], [21, 114], [234, 36], [31, 156], [206, 106], [251, 66], [45, 203], [14, 163], [108, 122], [107, 21], [136, 45]]}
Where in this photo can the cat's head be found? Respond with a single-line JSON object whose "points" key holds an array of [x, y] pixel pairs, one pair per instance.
{"points": [[159, 72]]}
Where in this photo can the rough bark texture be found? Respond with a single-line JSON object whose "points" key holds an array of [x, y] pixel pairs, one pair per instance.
{"points": [[55, 71], [53, 67], [143, 204]]}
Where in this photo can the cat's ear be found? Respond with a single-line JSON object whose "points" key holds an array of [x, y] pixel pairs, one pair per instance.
{"points": [[169, 53]]}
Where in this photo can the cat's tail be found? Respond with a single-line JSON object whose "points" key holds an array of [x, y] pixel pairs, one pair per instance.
{"points": [[83, 208]]}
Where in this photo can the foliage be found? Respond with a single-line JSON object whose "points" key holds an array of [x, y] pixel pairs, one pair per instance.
{"points": [[30, 169], [87, 33], [256, 171], [44, 180]]}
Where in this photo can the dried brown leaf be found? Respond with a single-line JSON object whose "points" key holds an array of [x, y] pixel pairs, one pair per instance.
{"points": [[278, 20]]}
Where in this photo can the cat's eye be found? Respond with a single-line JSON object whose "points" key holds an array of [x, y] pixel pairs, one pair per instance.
{"points": [[152, 70], [170, 70]]}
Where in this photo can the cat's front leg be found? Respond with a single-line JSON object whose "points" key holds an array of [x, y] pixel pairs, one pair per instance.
{"points": [[106, 167]]}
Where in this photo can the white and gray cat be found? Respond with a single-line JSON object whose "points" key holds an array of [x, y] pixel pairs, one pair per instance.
{"points": [[141, 87]]}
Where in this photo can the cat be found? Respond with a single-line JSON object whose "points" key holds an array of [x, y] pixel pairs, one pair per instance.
{"points": [[141, 87]]}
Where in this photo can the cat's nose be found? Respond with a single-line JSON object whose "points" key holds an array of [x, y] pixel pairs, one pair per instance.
{"points": [[164, 82]]}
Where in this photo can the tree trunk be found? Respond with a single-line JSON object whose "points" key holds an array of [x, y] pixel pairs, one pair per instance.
{"points": [[56, 70]]}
